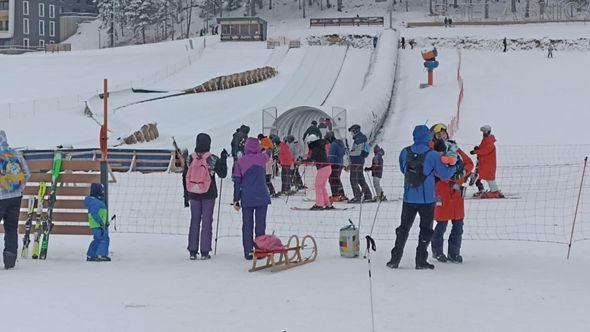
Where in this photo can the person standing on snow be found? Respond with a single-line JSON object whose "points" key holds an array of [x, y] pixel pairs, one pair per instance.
{"points": [[267, 145], [486, 164], [14, 174], [550, 51], [98, 250], [505, 44], [287, 162], [317, 154], [377, 172], [358, 153], [251, 193], [336, 160], [201, 190], [449, 199], [419, 163]]}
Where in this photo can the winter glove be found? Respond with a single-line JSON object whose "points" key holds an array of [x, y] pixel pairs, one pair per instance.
{"points": [[368, 169], [475, 148], [224, 154], [458, 175], [237, 206], [472, 152], [448, 160]]}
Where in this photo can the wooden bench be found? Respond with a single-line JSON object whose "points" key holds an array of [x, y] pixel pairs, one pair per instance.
{"points": [[290, 256], [69, 214]]}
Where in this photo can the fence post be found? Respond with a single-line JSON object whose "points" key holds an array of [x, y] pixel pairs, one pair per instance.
{"points": [[569, 248]]}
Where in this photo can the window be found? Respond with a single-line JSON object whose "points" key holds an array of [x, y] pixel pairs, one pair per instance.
{"points": [[41, 10], [25, 26], [51, 29], [25, 8], [51, 11], [41, 43], [41, 28], [26, 42]]}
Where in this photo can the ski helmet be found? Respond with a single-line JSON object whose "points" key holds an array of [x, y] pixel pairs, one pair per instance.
{"points": [[437, 128]]}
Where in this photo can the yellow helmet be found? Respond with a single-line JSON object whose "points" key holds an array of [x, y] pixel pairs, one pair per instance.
{"points": [[437, 128]]}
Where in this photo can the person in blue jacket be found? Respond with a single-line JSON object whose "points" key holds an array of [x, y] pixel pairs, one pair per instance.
{"points": [[98, 251], [336, 160], [419, 163]]}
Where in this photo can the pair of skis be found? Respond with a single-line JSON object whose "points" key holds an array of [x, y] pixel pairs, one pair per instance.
{"points": [[44, 222]]}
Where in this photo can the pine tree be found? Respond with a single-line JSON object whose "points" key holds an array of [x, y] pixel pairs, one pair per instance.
{"points": [[141, 14]]}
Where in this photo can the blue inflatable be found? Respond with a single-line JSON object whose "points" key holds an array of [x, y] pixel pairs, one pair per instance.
{"points": [[431, 65]]}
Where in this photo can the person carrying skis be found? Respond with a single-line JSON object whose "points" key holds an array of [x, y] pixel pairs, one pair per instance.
{"points": [[358, 153], [98, 250], [287, 161], [201, 190], [14, 174], [377, 172], [449, 198], [486, 164], [313, 129], [251, 193], [317, 154], [419, 163], [336, 161]]}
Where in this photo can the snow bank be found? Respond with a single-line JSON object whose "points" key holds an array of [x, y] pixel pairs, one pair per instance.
{"points": [[356, 41], [522, 44]]}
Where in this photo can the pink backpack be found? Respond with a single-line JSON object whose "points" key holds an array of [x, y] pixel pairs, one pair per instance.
{"points": [[198, 178], [268, 243]]}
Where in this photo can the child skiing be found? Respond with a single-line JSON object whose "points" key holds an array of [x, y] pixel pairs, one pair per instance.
{"points": [[449, 199], [251, 193], [317, 152], [486, 164], [377, 171], [201, 190], [98, 250]]}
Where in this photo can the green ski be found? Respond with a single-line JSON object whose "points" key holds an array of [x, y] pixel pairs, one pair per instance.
{"points": [[28, 225], [48, 221]]}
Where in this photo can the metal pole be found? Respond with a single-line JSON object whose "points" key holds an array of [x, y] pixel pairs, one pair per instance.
{"points": [[577, 206], [104, 174], [218, 211]]}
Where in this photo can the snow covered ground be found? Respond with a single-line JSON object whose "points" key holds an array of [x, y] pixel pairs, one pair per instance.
{"points": [[152, 286]]}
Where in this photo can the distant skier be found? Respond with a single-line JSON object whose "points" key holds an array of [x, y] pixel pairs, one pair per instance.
{"points": [[375, 40], [550, 51], [403, 43], [267, 146], [313, 129], [287, 162], [505, 43], [201, 190], [449, 198], [419, 163], [412, 42], [336, 159], [251, 193], [446, 22], [98, 250], [359, 151], [317, 154], [486, 165], [13, 177], [376, 170]]}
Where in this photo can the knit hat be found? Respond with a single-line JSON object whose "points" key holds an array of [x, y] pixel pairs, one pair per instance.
{"points": [[486, 128], [203, 143]]}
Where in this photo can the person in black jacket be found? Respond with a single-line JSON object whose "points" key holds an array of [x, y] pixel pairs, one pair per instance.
{"points": [[313, 129], [318, 155], [202, 205], [377, 171]]}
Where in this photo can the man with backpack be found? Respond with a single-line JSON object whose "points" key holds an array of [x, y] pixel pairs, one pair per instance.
{"points": [[201, 190], [419, 163], [14, 174], [359, 151]]}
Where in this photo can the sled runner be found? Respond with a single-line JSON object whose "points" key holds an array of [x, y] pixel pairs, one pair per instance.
{"points": [[295, 253]]}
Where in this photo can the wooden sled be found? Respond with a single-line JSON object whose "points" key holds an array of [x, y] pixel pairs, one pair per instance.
{"points": [[290, 256]]}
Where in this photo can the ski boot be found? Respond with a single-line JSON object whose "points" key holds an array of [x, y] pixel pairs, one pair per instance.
{"points": [[205, 255], [492, 194], [248, 257], [392, 264], [9, 259], [457, 259], [440, 257], [354, 200], [316, 207], [193, 255], [103, 259], [329, 207], [479, 193], [424, 266], [369, 200], [381, 198], [91, 258]]}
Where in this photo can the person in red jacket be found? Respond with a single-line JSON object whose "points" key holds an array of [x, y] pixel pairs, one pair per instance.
{"points": [[449, 199], [486, 164], [287, 161]]}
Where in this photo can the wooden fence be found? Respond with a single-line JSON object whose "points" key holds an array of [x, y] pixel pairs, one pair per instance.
{"points": [[347, 21]]}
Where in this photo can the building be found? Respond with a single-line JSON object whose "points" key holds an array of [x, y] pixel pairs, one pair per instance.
{"points": [[35, 23], [242, 28]]}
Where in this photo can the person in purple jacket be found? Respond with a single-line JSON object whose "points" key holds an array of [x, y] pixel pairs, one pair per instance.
{"points": [[251, 193]]}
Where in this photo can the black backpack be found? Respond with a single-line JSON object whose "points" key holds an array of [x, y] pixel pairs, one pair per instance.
{"points": [[414, 175]]}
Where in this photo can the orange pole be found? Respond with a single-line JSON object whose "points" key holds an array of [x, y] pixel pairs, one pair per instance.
{"points": [[430, 77], [104, 129]]}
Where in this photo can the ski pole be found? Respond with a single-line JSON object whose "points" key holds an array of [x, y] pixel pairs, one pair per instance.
{"points": [[371, 246], [218, 211], [371, 183], [373, 225]]}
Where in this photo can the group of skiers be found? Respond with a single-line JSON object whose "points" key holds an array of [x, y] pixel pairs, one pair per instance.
{"points": [[435, 169]]}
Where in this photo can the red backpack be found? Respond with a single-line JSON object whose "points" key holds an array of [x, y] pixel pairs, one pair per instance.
{"points": [[198, 178], [268, 243]]}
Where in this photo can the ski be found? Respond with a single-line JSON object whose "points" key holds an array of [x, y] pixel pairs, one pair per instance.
{"points": [[506, 196], [28, 225], [305, 199], [48, 221], [295, 208], [38, 217]]}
